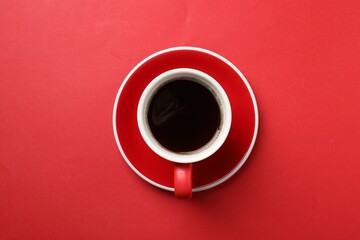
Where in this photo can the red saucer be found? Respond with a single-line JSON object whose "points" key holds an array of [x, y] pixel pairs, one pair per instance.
{"points": [[227, 160]]}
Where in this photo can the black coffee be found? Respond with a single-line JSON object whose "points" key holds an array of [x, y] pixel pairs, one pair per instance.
{"points": [[183, 115]]}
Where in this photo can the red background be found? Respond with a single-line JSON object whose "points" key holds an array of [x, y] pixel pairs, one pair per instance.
{"points": [[62, 176]]}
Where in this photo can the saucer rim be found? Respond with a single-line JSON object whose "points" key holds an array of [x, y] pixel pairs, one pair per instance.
{"points": [[242, 77]]}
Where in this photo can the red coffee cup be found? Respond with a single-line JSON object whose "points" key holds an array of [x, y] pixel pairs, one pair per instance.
{"points": [[184, 116]]}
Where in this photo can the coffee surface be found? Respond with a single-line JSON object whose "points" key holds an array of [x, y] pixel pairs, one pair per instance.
{"points": [[183, 115]]}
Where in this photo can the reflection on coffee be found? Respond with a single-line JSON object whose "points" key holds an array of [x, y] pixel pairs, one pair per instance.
{"points": [[183, 115]]}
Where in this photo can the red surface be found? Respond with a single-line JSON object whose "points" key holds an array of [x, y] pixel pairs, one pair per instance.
{"points": [[61, 174], [231, 153]]}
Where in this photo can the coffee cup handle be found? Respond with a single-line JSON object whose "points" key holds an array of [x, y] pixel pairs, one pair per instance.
{"points": [[183, 180]]}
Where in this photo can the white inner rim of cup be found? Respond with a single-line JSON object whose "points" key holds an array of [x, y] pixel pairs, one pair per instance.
{"points": [[219, 94]]}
